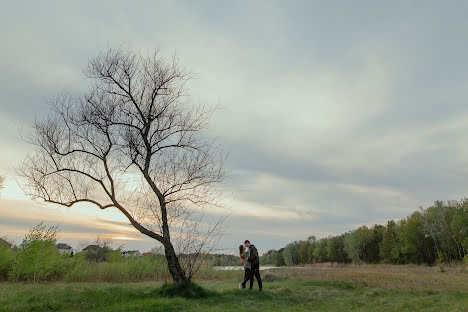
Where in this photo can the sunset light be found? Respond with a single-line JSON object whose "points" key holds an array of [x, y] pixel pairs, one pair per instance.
{"points": [[168, 155]]}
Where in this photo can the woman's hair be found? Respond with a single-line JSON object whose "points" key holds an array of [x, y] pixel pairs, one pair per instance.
{"points": [[241, 250]]}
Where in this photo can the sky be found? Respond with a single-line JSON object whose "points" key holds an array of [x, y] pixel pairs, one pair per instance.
{"points": [[335, 114]]}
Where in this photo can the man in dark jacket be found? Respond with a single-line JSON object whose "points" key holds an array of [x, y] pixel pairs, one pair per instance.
{"points": [[254, 259]]}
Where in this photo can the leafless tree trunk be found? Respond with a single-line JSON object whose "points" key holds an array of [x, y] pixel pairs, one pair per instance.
{"points": [[133, 142]]}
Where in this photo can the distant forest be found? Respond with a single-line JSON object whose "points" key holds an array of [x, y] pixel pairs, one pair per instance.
{"points": [[437, 234]]}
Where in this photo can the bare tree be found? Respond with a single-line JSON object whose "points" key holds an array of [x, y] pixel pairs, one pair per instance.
{"points": [[132, 142], [2, 180]]}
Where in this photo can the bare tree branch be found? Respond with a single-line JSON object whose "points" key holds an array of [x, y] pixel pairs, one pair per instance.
{"points": [[134, 143]]}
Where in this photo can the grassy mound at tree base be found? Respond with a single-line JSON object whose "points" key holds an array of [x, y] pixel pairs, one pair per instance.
{"points": [[188, 290]]}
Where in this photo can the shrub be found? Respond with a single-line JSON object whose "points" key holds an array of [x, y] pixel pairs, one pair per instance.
{"points": [[137, 269], [37, 259], [188, 290], [7, 259], [269, 277], [279, 259], [79, 270]]}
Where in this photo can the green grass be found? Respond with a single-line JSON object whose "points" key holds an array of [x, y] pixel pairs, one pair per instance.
{"points": [[293, 291]]}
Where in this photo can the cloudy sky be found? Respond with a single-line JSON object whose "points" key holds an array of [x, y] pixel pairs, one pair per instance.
{"points": [[335, 114]]}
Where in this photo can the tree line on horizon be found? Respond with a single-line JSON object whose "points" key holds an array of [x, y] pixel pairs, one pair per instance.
{"points": [[437, 234]]}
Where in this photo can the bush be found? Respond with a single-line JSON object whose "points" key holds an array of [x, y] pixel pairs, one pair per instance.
{"points": [[269, 277], [7, 259], [137, 269], [38, 261], [188, 290], [79, 270], [291, 254], [279, 259]]}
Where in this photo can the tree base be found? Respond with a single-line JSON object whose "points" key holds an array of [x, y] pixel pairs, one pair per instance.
{"points": [[187, 289]]}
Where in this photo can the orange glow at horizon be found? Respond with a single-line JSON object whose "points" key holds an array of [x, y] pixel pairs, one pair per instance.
{"points": [[125, 238]]}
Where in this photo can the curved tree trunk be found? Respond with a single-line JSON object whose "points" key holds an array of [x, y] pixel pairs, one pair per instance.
{"points": [[177, 273]]}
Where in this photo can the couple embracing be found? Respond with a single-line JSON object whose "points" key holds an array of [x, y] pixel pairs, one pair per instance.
{"points": [[249, 256]]}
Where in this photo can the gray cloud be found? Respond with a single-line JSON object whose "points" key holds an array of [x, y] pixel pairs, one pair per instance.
{"points": [[336, 114]]}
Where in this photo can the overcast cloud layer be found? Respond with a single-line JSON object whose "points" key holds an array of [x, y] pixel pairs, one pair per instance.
{"points": [[334, 114]]}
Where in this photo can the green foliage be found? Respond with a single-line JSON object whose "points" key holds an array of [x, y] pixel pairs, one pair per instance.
{"points": [[269, 257], [279, 258], [132, 269], [437, 234], [37, 258], [374, 248], [389, 248], [303, 256], [114, 256], [310, 252], [38, 261], [7, 259], [291, 254], [224, 260], [362, 245], [352, 247], [335, 249], [320, 250], [415, 245], [436, 223], [79, 270]]}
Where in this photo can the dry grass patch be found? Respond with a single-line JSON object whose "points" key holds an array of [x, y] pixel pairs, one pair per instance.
{"points": [[402, 277]]}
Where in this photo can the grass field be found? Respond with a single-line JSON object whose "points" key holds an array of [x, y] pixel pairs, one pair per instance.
{"points": [[316, 288]]}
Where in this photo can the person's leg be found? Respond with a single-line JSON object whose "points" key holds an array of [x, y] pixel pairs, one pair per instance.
{"points": [[259, 278], [252, 273], [246, 277]]}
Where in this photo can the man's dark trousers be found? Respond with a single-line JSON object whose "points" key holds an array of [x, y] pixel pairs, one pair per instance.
{"points": [[255, 271]]}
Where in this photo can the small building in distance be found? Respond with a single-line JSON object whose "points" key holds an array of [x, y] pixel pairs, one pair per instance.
{"points": [[64, 249], [131, 254], [96, 253], [92, 248]]}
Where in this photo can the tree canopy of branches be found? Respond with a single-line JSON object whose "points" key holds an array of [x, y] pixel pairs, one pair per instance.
{"points": [[2, 180], [132, 142]]}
